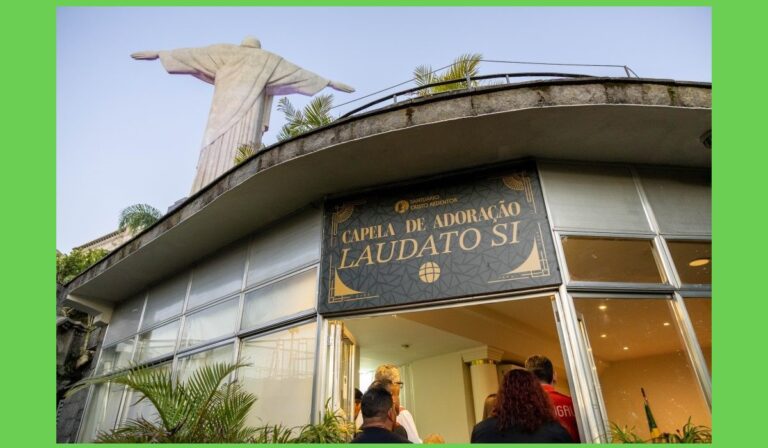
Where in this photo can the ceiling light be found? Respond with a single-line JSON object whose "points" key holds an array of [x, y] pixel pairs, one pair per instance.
{"points": [[603, 335], [626, 348], [666, 324], [699, 262], [603, 307]]}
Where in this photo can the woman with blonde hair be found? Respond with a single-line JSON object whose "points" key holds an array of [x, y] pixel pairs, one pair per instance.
{"points": [[404, 418]]}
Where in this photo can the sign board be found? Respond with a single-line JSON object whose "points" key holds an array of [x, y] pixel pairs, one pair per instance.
{"points": [[453, 237]]}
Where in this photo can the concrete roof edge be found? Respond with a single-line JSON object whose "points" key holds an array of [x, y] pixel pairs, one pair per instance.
{"points": [[263, 159]]}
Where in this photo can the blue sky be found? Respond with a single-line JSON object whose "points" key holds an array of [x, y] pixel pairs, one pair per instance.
{"points": [[128, 132]]}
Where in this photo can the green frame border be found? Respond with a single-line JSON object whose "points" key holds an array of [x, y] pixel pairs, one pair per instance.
{"points": [[28, 159]]}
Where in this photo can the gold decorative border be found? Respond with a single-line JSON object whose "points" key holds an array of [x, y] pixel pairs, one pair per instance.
{"points": [[519, 181], [343, 212], [543, 263]]}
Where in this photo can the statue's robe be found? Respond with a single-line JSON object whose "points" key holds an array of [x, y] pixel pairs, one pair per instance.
{"points": [[245, 79]]}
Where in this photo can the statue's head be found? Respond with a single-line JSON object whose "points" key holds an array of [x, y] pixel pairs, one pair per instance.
{"points": [[251, 41]]}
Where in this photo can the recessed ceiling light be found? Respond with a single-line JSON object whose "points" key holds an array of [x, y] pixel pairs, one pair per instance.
{"points": [[603, 307], [626, 348], [603, 335], [666, 324], [699, 262]]}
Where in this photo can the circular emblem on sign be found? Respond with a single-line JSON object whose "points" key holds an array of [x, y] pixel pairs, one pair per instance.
{"points": [[429, 272], [402, 206]]}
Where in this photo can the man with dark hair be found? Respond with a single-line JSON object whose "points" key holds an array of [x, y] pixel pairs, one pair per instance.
{"points": [[379, 417], [542, 368]]}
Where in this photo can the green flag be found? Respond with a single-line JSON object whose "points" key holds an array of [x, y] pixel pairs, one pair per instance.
{"points": [[652, 427]]}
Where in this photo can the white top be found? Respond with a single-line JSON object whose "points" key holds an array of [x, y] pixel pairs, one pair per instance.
{"points": [[405, 419]]}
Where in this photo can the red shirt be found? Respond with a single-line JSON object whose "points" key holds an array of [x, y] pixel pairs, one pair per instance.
{"points": [[564, 410]]}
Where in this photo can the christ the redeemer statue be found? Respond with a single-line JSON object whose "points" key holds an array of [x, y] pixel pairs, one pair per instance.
{"points": [[245, 79]]}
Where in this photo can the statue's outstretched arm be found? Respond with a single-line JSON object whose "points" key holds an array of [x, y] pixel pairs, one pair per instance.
{"points": [[146, 55], [341, 86]]}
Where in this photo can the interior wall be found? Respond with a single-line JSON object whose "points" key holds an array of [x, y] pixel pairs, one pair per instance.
{"points": [[440, 391], [671, 386]]}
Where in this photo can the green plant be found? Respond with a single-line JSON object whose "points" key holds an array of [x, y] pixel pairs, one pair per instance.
{"points": [[273, 434], [466, 65], [624, 434], [202, 409], [244, 152], [314, 115], [332, 428], [70, 266], [689, 433], [138, 217]]}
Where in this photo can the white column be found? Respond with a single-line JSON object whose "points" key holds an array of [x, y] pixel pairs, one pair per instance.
{"points": [[483, 374]]}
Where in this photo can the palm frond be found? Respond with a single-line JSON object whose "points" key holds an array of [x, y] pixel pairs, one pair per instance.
{"points": [[138, 216], [205, 408], [465, 65], [244, 152], [315, 114]]}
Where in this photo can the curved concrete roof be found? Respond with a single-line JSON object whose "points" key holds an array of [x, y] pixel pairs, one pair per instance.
{"points": [[595, 119]]}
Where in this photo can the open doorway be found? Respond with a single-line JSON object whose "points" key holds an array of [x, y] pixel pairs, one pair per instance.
{"points": [[451, 358]]}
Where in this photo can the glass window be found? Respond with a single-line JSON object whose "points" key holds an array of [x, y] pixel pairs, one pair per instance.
{"points": [[165, 300], [210, 323], [125, 319], [116, 357], [134, 407], [612, 260], [593, 197], [101, 414], [281, 375], [188, 364], [290, 244], [636, 344], [693, 260], [157, 342], [286, 297], [700, 311], [218, 277], [681, 200]]}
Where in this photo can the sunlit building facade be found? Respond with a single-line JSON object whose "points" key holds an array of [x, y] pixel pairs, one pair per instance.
{"points": [[452, 235]]}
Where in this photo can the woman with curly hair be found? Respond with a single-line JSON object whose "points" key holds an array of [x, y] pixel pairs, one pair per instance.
{"points": [[523, 414]]}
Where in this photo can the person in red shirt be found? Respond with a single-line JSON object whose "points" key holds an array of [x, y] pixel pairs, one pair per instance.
{"points": [[542, 368]]}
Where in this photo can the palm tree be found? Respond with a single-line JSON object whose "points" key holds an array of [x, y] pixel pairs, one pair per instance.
{"points": [[314, 115], [463, 66], [244, 152], [138, 217], [203, 409]]}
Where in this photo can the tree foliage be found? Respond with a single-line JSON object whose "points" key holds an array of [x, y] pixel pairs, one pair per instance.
{"points": [[314, 115], [463, 66], [70, 266], [138, 217]]}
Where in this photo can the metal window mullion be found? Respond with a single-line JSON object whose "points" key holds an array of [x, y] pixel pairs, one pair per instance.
{"points": [[318, 391], [143, 310], [191, 277], [590, 423], [78, 434], [662, 251], [695, 354], [567, 325]]}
